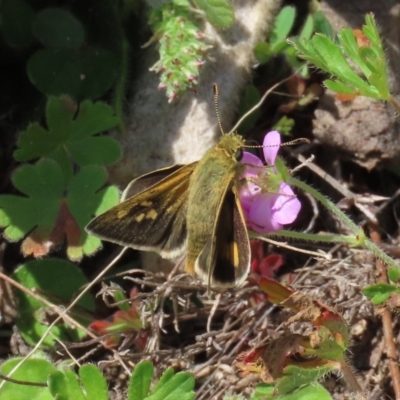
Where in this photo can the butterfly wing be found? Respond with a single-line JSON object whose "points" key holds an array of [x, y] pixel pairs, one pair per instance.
{"points": [[145, 181], [225, 259], [153, 218]]}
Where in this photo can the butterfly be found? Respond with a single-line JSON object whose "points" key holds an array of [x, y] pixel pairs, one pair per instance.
{"points": [[193, 209]]}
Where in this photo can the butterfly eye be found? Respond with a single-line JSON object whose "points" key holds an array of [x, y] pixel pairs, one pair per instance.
{"points": [[238, 154]]}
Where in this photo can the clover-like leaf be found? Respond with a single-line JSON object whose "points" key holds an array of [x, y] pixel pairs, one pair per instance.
{"points": [[51, 211], [55, 27], [16, 23], [58, 281], [84, 73], [72, 133]]}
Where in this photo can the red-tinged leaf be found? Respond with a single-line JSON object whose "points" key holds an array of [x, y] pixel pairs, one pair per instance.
{"points": [[276, 292], [65, 225], [361, 39], [344, 97]]}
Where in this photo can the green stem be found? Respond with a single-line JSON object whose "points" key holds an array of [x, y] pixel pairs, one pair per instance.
{"points": [[349, 240], [359, 238]]}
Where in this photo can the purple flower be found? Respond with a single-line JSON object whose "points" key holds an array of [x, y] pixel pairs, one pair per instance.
{"points": [[268, 202]]}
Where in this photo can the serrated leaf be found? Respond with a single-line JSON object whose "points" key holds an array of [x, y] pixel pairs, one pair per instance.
{"points": [[71, 134], [295, 377], [16, 23], [87, 73], [139, 385], [51, 211], [218, 12], [178, 386], [43, 186], [31, 370], [60, 280], [55, 27], [309, 392]]}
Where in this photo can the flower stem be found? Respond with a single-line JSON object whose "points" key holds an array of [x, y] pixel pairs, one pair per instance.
{"points": [[359, 238]]}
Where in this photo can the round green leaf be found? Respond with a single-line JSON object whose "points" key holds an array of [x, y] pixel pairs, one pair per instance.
{"points": [[31, 370], [16, 19], [99, 71], [54, 27], [262, 52], [87, 74], [56, 72]]}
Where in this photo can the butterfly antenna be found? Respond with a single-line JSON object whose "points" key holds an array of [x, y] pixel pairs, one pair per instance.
{"points": [[216, 96], [291, 143]]}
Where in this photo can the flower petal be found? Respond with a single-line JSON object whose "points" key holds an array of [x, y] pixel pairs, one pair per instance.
{"points": [[272, 141], [287, 206], [260, 215]]}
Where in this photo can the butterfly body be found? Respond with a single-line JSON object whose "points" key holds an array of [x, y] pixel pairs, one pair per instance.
{"points": [[192, 208]]}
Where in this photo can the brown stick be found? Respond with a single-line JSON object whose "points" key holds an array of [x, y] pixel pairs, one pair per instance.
{"points": [[387, 323]]}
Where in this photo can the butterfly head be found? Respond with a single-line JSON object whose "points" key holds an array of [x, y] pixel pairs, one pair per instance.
{"points": [[232, 144]]}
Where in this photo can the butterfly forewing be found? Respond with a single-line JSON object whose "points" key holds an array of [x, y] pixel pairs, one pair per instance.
{"points": [[146, 181], [153, 218]]}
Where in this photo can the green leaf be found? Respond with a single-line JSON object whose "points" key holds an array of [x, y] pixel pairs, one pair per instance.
{"points": [[295, 377], [31, 370], [262, 390], [16, 23], [71, 134], [139, 384], [322, 25], [309, 392], [171, 386], [58, 281], [307, 29], [250, 99], [394, 273], [380, 292], [55, 27], [65, 385], [85, 200], [49, 214], [178, 386], [218, 12], [94, 383], [88, 73], [262, 52], [43, 186], [283, 25]]}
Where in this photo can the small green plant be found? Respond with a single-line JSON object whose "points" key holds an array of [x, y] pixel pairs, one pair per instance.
{"points": [[89, 383], [277, 42], [364, 49], [177, 29], [57, 201]]}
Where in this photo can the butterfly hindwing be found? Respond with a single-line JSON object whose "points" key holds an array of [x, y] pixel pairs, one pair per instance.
{"points": [[225, 259], [153, 218]]}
